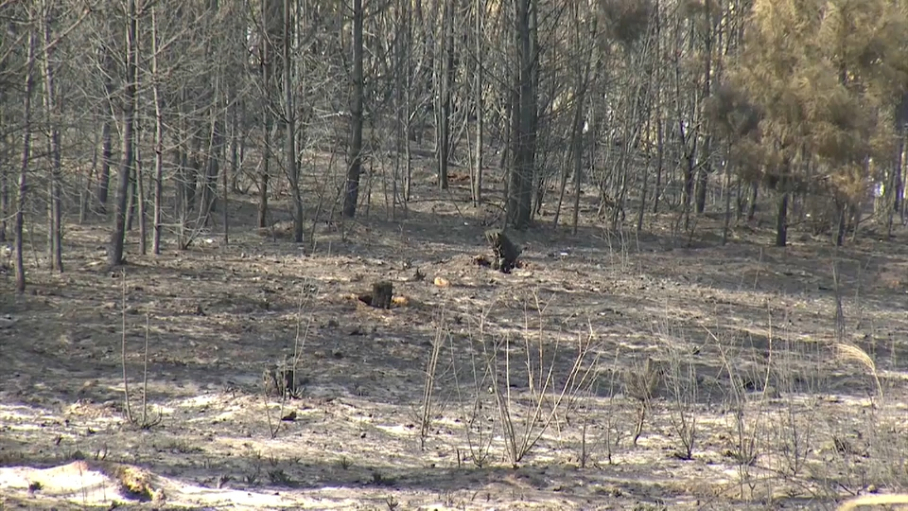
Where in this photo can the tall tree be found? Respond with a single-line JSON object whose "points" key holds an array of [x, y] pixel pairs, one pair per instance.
{"points": [[524, 115], [55, 212], [127, 159], [19, 223], [446, 73], [293, 173], [351, 194]]}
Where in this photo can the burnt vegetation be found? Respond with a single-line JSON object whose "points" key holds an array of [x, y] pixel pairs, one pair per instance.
{"points": [[599, 230]]}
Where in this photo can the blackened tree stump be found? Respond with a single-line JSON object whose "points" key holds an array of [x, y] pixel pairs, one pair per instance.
{"points": [[381, 294], [506, 253]]}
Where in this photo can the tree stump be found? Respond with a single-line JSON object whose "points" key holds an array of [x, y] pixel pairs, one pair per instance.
{"points": [[381, 294], [506, 253]]}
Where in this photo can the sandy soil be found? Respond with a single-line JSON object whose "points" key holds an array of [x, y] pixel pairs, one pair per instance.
{"points": [[785, 406]]}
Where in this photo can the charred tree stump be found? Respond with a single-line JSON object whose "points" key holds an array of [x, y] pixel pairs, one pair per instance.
{"points": [[381, 294], [506, 253]]}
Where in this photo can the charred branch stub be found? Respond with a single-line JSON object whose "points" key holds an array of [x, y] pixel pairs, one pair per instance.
{"points": [[506, 253], [381, 294]]}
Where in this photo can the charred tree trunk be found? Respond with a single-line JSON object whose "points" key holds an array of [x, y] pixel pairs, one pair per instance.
{"points": [[158, 141], [55, 212], [782, 220], [117, 238], [23, 169], [476, 177], [445, 61], [293, 174], [520, 188], [106, 136], [351, 194]]}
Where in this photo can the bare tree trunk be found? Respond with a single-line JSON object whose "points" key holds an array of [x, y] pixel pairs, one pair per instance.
{"points": [[727, 221], [408, 102], [752, 201], [133, 188], [705, 148], [476, 177], [520, 190], [55, 227], [117, 238], [641, 211], [158, 139], [266, 57], [208, 200], [138, 207], [889, 203], [290, 132], [445, 62], [106, 137], [26, 156], [575, 151], [140, 197], [4, 182], [85, 191], [351, 195], [660, 159], [782, 220], [266, 171]]}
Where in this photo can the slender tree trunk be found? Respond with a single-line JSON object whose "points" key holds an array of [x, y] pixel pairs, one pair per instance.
{"points": [[408, 101], [106, 135], [752, 201], [290, 130], [225, 212], [445, 61], [158, 139], [582, 78], [660, 159], [55, 217], [23, 169], [351, 195], [4, 181], [782, 220], [140, 198], [267, 66], [208, 202], [726, 224], [892, 195], [133, 189], [898, 186], [265, 172], [85, 192], [138, 181], [117, 238], [841, 223], [641, 211], [705, 148], [476, 178], [520, 190], [574, 162]]}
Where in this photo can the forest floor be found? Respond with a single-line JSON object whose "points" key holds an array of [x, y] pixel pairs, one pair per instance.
{"points": [[766, 378]]}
